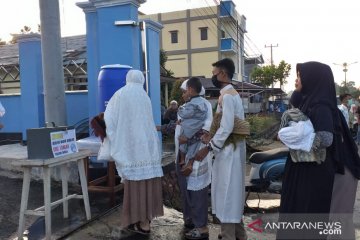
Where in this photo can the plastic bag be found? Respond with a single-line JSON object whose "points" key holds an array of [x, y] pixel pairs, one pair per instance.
{"points": [[104, 151]]}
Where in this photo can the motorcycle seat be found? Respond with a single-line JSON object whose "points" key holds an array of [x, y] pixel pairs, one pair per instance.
{"points": [[261, 157]]}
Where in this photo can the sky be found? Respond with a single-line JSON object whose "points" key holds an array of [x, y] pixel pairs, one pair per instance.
{"points": [[307, 30]]}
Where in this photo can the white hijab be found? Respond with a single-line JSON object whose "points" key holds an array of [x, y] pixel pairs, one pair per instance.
{"points": [[130, 127]]}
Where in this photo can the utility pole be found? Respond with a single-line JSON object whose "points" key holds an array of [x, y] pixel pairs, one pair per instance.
{"points": [[345, 69], [52, 60], [271, 51], [272, 63]]}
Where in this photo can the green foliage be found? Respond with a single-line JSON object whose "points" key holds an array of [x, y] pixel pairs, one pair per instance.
{"points": [[163, 59], [176, 93], [24, 30], [270, 74], [349, 88], [282, 72], [260, 123]]}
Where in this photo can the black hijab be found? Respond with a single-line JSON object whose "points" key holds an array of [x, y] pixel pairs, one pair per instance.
{"points": [[318, 86], [296, 99]]}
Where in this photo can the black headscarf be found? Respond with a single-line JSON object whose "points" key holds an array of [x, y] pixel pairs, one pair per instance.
{"points": [[296, 99], [318, 86]]}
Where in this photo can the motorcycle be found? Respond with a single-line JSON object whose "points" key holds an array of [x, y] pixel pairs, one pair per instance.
{"points": [[267, 170]]}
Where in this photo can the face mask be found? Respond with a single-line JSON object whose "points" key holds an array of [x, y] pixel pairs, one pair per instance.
{"points": [[215, 81], [350, 102]]}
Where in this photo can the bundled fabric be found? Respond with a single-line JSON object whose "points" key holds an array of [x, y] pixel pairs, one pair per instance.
{"points": [[98, 125], [297, 133], [240, 131]]}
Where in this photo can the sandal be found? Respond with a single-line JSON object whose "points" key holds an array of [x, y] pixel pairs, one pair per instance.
{"points": [[196, 234], [189, 225], [220, 237], [136, 228]]}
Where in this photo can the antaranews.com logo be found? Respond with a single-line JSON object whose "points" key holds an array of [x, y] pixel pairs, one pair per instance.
{"points": [[298, 227]]}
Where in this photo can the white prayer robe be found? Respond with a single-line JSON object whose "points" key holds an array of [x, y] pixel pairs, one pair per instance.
{"points": [[228, 172], [130, 128]]}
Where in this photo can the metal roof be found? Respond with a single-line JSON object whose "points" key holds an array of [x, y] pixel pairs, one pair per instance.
{"points": [[9, 54]]}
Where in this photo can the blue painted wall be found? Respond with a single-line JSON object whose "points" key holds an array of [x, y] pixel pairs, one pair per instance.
{"points": [[13, 120], [77, 106]]}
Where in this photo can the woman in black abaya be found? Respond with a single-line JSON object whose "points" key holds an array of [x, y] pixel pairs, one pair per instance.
{"points": [[307, 186]]}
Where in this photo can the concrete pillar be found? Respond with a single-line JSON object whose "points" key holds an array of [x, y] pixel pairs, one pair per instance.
{"points": [[32, 98], [108, 42], [153, 60], [53, 74]]}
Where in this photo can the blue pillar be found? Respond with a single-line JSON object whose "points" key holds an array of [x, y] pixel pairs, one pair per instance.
{"points": [[109, 43], [93, 66], [31, 83], [153, 61]]}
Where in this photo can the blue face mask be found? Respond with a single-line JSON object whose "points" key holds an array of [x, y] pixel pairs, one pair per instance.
{"points": [[350, 102]]}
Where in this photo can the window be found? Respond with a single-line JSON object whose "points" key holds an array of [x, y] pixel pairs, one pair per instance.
{"points": [[222, 34], [203, 33], [174, 36]]}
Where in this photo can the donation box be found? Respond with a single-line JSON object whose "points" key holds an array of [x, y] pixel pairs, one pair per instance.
{"points": [[50, 142]]}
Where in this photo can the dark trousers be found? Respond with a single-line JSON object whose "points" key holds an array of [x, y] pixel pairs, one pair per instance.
{"points": [[194, 203]]}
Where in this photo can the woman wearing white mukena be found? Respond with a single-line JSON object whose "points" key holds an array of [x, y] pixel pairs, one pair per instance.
{"points": [[135, 148]]}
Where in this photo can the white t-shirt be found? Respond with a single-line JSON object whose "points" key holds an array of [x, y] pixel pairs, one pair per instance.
{"points": [[345, 112]]}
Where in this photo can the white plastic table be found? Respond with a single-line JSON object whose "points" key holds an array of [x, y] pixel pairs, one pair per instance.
{"points": [[46, 165]]}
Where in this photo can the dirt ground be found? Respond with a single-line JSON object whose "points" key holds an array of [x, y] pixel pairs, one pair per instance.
{"points": [[107, 227]]}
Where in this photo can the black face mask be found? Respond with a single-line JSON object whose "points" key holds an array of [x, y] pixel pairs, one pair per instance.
{"points": [[216, 82]]}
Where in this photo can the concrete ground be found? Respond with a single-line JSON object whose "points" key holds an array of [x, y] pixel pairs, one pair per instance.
{"points": [[107, 227]]}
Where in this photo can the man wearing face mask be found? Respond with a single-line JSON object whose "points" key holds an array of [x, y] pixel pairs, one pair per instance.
{"points": [[346, 102], [228, 172]]}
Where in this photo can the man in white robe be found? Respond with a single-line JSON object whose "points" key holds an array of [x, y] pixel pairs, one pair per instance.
{"points": [[228, 172]]}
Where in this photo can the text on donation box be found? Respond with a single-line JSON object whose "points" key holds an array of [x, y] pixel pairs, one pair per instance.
{"points": [[63, 142]]}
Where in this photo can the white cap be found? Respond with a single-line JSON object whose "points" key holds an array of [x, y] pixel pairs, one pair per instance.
{"points": [[183, 87]]}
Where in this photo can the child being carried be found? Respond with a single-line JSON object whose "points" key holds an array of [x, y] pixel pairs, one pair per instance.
{"points": [[193, 115]]}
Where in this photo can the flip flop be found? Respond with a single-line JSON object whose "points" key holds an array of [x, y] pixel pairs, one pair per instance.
{"points": [[220, 237], [136, 228], [195, 234]]}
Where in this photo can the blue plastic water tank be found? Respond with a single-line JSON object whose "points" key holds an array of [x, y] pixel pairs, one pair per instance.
{"points": [[111, 78]]}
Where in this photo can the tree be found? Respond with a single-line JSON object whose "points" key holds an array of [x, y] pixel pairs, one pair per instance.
{"points": [[24, 30], [282, 72], [270, 74], [349, 88], [163, 59], [176, 92]]}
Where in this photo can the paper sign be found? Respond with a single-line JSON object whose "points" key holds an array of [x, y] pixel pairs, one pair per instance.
{"points": [[63, 142]]}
